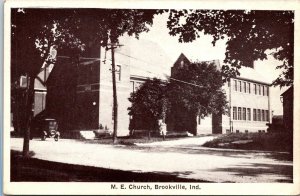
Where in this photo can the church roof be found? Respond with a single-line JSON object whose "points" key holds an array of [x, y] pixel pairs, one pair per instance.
{"points": [[246, 73]]}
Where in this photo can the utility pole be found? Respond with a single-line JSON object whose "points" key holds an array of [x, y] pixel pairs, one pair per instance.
{"points": [[115, 100]]}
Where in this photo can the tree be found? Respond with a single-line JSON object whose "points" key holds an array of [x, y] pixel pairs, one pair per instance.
{"points": [[195, 90], [149, 104], [107, 26], [249, 35], [116, 23], [34, 33]]}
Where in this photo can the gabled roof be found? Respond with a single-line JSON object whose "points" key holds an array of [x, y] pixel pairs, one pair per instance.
{"points": [[246, 73], [185, 59]]}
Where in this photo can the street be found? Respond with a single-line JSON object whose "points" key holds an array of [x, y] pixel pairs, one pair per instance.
{"points": [[184, 158]]}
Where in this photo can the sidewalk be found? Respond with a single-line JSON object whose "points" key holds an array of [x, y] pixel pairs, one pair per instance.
{"points": [[198, 141]]}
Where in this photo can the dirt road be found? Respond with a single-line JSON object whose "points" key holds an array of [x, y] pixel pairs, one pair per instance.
{"points": [[184, 160]]}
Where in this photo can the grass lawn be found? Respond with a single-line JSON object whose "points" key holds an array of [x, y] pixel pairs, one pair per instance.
{"points": [[126, 140], [282, 142]]}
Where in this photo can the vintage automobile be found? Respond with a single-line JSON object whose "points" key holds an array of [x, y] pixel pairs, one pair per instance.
{"points": [[45, 127]]}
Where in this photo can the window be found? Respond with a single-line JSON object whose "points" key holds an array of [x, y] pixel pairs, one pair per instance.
{"points": [[240, 86], [199, 120], [118, 72], [234, 113], [258, 115], [267, 90], [245, 87], [255, 89], [249, 87], [249, 113], [263, 115], [244, 113], [263, 90], [267, 115], [235, 85], [259, 89], [254, 114], [239, 113]]}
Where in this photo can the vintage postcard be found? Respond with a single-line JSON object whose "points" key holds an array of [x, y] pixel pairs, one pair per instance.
{"points": [[151, 97]]}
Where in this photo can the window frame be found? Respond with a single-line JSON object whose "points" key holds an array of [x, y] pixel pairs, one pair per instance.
{"points": [[239, 113], [249, 87], [235, 85], [234, 113], [244, 114], [249, 114]]}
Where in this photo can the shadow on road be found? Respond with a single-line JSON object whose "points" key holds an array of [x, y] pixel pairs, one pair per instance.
{"points": [[279, 156], [258, 169], [35, 170]]}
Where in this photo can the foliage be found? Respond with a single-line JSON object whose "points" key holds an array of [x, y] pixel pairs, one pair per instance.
{"points": [[249, 34], [155, 98], [203, 98], [148, 104], [36, 31]]}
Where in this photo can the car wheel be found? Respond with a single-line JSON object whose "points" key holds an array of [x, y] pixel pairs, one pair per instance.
{"points": [[56, 138], [43, 137]]}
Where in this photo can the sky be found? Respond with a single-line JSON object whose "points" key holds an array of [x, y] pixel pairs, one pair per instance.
{"points": [[203, 50]]}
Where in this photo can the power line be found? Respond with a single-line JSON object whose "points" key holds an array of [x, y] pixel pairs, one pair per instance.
{"points": [[133, 57], [136, 68]]}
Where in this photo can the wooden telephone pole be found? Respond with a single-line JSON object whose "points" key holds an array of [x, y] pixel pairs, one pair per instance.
{"points": [[115, 100]]}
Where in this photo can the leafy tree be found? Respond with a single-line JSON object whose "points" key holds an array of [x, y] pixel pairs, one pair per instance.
{"points": [[34, 33], [195, 89], [117, 23], [249, 35], [149, 104]]}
